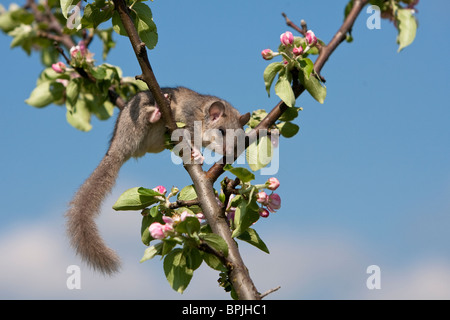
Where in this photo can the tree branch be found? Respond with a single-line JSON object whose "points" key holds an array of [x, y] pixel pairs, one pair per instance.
{"points": [[239, 276], [147, 72]]}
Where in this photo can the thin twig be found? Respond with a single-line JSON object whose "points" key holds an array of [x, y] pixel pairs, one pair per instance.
{"points": [[265, 294]]}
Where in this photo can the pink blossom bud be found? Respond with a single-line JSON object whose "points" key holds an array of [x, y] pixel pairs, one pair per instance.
{"points": [[59, 67], [274, 202], [200, 216], [262, 197], [74, 51], [273, 183], [263, 212], [160, 189], [267, 54], [186, 214], [167, 228], [310, 37], [157, 230], [82, 46], [297, 51], [167, 220], [287, 38]]}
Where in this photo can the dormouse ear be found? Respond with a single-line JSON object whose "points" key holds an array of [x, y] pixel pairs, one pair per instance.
{"points": [[216, 110], [244, 119]]}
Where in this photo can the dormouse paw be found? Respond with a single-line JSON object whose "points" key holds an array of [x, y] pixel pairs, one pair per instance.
{"points": [[197, 156], [155, 115]]}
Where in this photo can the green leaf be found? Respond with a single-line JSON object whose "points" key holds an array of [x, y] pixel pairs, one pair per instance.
{"points": [[176, 270], [307, 66], [283, 90], [259, 153], [288, 129], [65, 6], [252, 237], [314, 87], [190, 225], [152, 251], [289, 114], [213, 262], [72, 90], [142, 20], [270, 73], [7, 23], [407, 27], [45, 93], [145, 25], [246, 214], [187, 193], [94, 15], [137, 198], [216, 242], [78, 115], [242, 173], [193, 257]]}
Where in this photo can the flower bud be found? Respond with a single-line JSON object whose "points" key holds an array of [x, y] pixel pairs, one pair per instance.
{"points": [[167, 220], [262, 197], [267, 54], [263, 212], [310, 38], [157, 230], [297, 51], [274, 202], [287, 38], [174, 191], [200, 216], [59, 67], [272, 183], [160, 189]]}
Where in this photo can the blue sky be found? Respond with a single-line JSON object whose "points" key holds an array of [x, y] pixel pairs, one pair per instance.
{"points": [[366, 181]]}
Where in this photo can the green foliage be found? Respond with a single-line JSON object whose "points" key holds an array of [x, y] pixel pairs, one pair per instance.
{"points": [[143, 21], [407, 27], [84, 85]]}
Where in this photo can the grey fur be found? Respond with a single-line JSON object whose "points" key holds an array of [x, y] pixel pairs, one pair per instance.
{"points": [[134, 136]]}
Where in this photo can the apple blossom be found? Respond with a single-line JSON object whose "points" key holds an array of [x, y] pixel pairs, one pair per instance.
{"points": [[274, 202], [287, 38], [267, 54], [272, 183], [262, 197], [263, 212], [297, 51], [160, 189], [310, 37], [59, 67]]}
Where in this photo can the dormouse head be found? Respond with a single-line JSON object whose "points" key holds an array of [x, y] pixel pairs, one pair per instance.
{"points": [[223, 128]]}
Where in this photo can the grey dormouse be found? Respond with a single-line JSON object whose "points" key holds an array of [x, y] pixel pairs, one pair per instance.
{"points": [[139, 130]]}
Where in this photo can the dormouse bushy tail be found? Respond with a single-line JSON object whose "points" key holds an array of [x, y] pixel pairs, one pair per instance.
{"points": [[84, 208]]}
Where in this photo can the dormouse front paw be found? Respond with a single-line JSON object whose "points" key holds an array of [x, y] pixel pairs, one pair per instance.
{"points": [[197, 156]]}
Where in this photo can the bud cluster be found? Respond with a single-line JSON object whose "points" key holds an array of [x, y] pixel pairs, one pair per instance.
{"points": [[269, 203], [79, 55], [289, 50], [160, 230]]}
